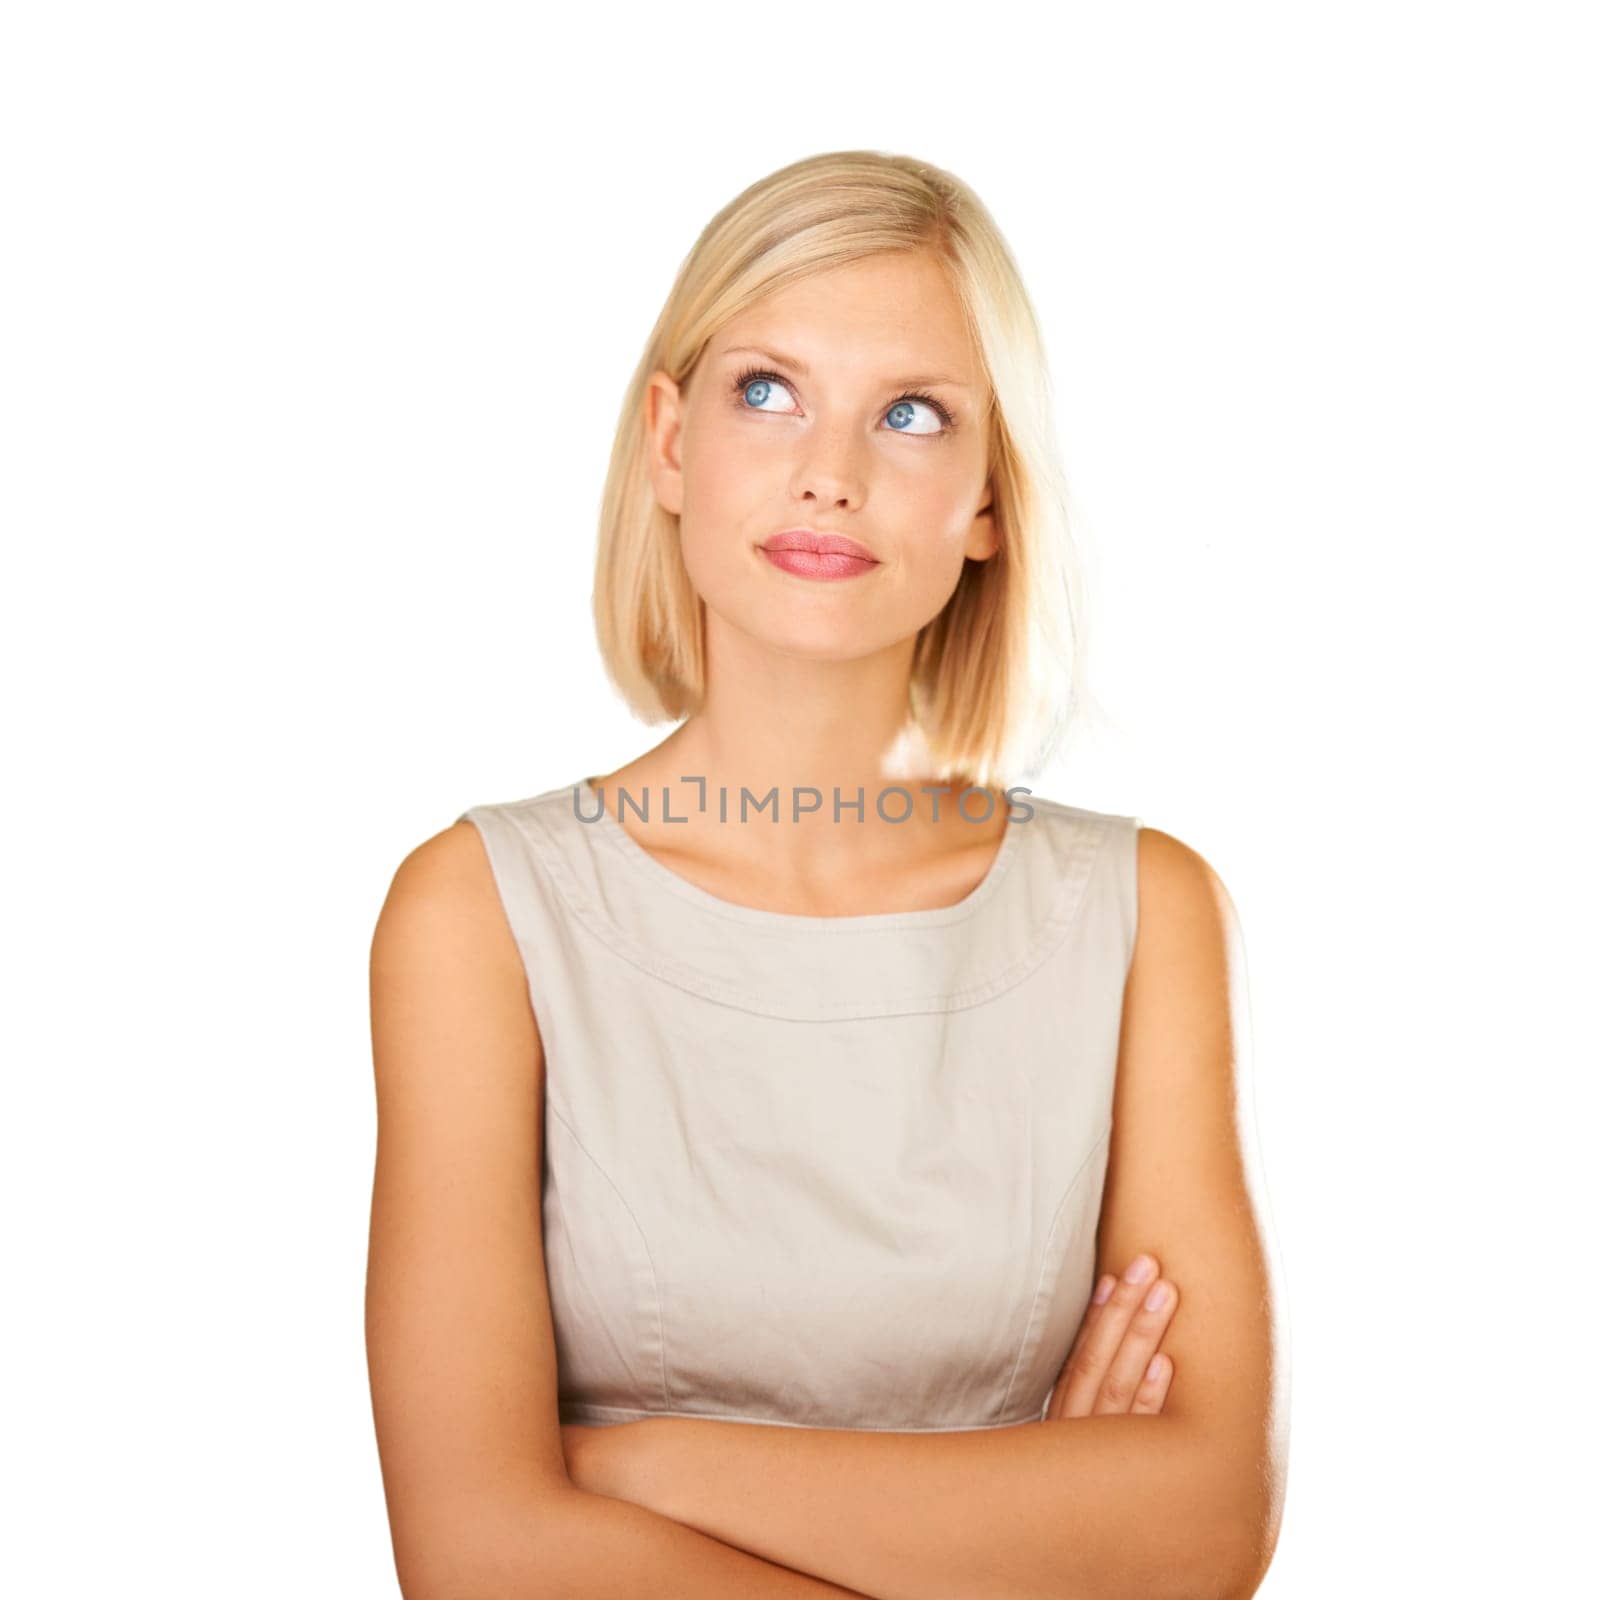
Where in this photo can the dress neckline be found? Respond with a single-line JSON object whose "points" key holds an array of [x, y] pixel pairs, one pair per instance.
{"points": [[630, 850]]}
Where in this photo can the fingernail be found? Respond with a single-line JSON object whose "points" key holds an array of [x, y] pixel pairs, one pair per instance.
{"points": [[1141, 1269], [1102, 1291], [1153, 1371], [1156, 1298]]}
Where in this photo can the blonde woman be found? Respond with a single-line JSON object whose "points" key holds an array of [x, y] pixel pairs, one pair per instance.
{"points": [[792, 1145]]}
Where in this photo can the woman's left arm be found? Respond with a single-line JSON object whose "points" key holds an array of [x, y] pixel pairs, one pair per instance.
{"points": [[1183, 1504]]}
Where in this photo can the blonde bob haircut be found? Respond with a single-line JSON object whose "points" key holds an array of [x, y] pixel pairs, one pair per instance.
{"points": [[994, 674]]}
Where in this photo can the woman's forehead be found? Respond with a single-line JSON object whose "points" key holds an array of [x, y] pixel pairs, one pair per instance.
{"points": [[899, 323]]}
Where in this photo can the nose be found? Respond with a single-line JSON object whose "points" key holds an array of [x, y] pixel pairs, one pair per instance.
{"points": [[828, 473]]}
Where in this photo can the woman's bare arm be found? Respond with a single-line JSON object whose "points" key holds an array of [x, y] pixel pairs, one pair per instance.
{"points": [[1185, 1182], [460, 1344], [1184, 1504]]}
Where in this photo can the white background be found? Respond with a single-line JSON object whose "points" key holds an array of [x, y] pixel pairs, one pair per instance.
{"points": [[315, 322]]}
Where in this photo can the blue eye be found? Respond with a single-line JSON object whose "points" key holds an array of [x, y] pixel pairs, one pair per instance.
{"points": [[757, 391], [900, 416]]}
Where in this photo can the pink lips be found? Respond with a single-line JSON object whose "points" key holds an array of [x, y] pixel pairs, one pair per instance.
{"points": [[809, 554]]}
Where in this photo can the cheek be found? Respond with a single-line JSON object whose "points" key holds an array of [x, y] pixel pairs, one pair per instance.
{"points": [[933, 513], [727, 492], [721, 475], [933, 524]]}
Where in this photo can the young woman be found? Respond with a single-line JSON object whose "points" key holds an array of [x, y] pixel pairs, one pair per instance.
{"points": [[782, 1136]]}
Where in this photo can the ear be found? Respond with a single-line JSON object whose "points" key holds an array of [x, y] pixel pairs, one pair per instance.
{"points": [[983, 538], [663, 422]]}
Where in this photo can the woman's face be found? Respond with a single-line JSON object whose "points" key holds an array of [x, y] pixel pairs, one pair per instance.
{"points": [[798, 416]]}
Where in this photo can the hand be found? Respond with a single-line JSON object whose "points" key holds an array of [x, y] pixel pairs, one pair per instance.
{"points": [[1109, 1370]]}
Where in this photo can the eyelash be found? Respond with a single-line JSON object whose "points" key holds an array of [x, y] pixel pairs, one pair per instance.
{"points": [[749, 376]]}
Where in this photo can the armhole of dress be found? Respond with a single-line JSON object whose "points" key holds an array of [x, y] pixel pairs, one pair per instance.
{"points": [[1131, 889], [508, 866], [517, 873]]}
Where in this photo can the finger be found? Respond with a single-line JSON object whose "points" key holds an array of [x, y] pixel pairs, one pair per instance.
{"points": [[1102, 1293], [1144, 1333], [1152, 1393], [1093, 1359]]}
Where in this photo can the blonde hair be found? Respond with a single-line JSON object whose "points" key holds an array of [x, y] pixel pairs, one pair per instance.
{"points": [[994, 674]]}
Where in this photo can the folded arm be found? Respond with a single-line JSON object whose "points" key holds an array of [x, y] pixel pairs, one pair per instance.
{"points": [[1099, 1507]]}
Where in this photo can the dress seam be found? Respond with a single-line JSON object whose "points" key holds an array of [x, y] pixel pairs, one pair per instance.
{"points": [[643, 1413], [1046, 1259], [629, 851], [1085, 852], [655, 1282]]}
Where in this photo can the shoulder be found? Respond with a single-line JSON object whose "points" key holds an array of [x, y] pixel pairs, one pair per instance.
{"points": [[448, 870], [1182, 898], [1185, 997], [1184, 1004], [442, 893]]}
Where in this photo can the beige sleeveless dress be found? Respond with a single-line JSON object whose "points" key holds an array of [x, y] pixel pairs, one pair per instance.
{"points": [[835, 1172]]}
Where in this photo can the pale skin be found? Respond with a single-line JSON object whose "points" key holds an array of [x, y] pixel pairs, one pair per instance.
{"points": [[1171, 1483]]}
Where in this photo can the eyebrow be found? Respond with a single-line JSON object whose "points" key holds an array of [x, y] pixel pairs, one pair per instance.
{"points": [[804, 371]]}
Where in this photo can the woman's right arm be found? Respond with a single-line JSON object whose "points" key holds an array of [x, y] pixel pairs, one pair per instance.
{"points": [[460, 1344]]}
